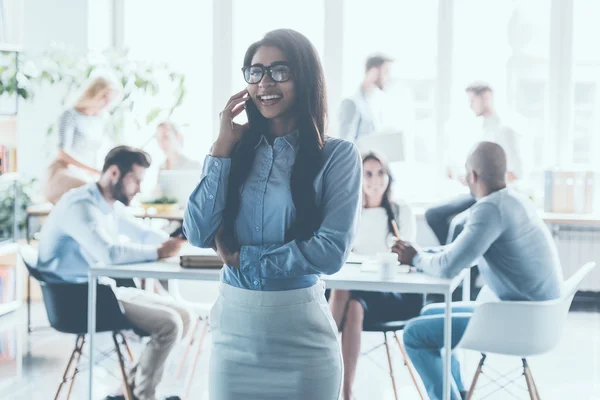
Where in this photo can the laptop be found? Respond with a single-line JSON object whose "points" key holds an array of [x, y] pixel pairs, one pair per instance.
{"points": [[178, 184], [390, 145]]}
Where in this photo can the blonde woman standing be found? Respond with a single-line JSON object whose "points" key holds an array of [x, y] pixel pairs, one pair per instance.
{"points": [[80, 134]]}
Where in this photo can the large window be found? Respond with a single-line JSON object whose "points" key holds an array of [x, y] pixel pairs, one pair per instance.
{"points": [[506, 44], [540, 58], [100, 24], [252, 19], [406, 31], [585, 113], [178, 33], [11, 22]]}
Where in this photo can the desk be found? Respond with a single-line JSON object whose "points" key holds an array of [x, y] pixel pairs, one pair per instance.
{"points": [[350, 277], [44, 209]]}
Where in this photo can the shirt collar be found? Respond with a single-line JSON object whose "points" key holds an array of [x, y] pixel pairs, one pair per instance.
{"points": [[262, 139], [99, 198], [291, 139]]}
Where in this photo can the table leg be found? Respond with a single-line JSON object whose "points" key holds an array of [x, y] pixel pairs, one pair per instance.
{"points": [[29, 330], [466, 296], [466, 286], [447, 346], [92, 282]]}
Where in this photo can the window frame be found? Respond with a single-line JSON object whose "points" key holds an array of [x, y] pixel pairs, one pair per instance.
{"points": [[558, 117]]}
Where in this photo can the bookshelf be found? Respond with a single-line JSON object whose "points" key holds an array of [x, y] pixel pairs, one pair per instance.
{"points": [[10, 271], [9, 107]]}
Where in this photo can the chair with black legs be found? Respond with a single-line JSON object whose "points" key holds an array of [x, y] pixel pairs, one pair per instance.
{"points": [[66, 307]]}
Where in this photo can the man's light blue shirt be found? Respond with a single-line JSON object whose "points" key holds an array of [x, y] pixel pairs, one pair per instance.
{"points": [[83, 229]]}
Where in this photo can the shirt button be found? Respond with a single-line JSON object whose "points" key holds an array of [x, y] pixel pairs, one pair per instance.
{"points": [[255, 283], [216, 163], [210, 196], [257, 228]]}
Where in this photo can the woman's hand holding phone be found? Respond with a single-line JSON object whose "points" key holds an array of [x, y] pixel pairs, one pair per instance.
{"points": [[230, 132]]}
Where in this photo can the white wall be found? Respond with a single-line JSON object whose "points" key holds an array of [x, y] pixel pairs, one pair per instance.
{"points": [[46, 22]]}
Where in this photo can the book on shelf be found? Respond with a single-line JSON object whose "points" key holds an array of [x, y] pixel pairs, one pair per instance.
{"points": [[8, 273], [8, 284], [569, 191], [8, 345], [8, 159]]}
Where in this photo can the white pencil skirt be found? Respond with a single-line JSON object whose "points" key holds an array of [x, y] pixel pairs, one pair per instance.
{"points": [[274, 345]]}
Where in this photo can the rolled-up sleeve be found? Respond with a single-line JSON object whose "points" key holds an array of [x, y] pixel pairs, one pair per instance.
{"points": [[204, 211], [87, 224], [326, 251], [483, 227]]}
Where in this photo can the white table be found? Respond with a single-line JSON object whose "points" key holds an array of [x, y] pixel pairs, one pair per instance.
{"points": [[350, 277]]}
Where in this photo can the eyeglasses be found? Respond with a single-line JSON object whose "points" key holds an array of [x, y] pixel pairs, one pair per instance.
{"points": [[278, 71]]}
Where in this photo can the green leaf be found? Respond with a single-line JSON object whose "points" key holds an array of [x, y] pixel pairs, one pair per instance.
{"points": [[153, 114]]}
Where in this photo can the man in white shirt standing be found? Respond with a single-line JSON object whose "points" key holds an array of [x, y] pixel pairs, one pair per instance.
{"points": [[85, 227], [358, 116], [444, 219]]}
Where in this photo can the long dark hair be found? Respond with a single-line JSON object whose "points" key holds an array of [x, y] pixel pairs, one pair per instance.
{"points": [[386, 202], [310, 108]]}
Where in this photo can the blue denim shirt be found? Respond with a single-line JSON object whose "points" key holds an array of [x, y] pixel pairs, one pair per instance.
{"points": [[267, 211]]}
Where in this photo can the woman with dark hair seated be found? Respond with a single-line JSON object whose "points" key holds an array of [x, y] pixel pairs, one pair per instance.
{"points": [[279, 201], [353, 309]]}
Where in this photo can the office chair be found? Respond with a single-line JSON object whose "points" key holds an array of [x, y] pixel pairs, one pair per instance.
{"points": [[66, 307]]}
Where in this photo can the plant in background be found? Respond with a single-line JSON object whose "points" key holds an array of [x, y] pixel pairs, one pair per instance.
{"points": [[24, 190], [150, 90], [13, 84]]}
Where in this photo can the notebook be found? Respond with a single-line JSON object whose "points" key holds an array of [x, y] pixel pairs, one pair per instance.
{"points": [[193, 257]]}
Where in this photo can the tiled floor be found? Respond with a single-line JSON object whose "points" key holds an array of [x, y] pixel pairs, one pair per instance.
{"points": [[571, 371]]}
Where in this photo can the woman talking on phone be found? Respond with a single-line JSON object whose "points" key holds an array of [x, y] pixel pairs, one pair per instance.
{"points": [[279, 201]]}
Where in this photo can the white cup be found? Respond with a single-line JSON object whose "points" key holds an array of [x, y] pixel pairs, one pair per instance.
{"points": [[387, 265]]}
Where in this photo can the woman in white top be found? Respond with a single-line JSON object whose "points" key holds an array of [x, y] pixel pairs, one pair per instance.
{"points": [[80, 134], [353, 309], [170, 141]]}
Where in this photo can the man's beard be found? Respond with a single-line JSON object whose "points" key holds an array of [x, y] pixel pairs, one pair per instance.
{"points": [[118, 193]]}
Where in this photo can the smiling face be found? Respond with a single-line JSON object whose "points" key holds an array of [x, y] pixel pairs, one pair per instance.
{"points": [[375, 179], [273, 99]]}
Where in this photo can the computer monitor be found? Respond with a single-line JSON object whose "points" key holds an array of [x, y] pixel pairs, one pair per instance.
{"points": [[178, 184], [390, 145]]}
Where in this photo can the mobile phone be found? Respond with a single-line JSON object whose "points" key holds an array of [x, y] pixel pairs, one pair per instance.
{"points": [[177, 232], [252, 113]]}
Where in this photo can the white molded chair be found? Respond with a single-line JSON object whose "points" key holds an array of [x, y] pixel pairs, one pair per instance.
{"points": [[204, 295], [520, 328]]}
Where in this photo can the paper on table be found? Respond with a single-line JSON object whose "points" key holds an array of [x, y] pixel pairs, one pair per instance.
{"points": [[354, 258], [375, 266]]}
